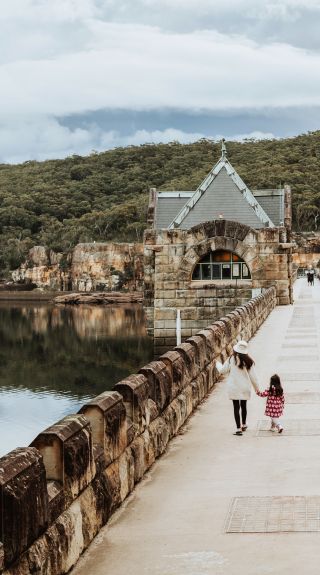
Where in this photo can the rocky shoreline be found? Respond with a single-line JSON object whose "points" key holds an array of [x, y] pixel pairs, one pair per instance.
{"points": [[99, 298]]}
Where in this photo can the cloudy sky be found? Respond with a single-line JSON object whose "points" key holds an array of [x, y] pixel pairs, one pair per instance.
{"points": [[83, 75]]}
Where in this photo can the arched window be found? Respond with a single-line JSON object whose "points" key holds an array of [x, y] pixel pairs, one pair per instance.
{"points": [[221, 265]]}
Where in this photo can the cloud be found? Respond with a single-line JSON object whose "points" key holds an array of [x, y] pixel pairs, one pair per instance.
{"points": [[43, 138], [75, 57], [139, 67], [293, 21]]}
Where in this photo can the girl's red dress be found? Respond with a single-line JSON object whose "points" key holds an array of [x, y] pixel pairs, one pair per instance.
{"points": [[275, 403]]}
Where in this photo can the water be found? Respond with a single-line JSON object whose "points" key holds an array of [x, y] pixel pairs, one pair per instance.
{"points": [[53, 359]]}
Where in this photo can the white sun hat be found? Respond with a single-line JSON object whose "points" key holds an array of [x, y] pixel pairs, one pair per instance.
{"points": [[241, 347]]}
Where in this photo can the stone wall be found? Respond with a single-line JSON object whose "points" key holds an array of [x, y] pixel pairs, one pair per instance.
{"points": [[42, 268], [88, 267], [171, 255], [305, 260], [57, 494]]}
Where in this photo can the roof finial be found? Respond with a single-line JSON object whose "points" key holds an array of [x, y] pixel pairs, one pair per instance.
{"points": [[223, 149]]}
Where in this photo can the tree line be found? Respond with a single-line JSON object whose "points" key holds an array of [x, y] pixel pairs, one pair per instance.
{"points": [[104, 196]]}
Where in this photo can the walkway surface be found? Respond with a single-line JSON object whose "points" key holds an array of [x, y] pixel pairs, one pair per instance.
{"points": [[174, 523]]}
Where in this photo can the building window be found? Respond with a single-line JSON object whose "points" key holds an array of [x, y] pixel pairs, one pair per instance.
{"points": [[221, 265]]}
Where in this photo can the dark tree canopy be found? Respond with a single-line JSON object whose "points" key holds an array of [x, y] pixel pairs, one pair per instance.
{"points": [[103, 197]]}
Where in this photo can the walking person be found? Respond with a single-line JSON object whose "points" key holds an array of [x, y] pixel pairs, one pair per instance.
{"points": [[275, 402], [241, 378]]}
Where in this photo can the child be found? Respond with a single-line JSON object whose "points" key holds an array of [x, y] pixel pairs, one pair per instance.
{"points": [[275, 402]]}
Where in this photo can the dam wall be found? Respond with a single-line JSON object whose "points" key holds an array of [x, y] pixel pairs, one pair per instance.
{"points": [[56, 494]]}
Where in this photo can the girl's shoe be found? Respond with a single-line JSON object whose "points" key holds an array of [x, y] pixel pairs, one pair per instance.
{"points": [[238, 432], [244, 427], [279, 428], [273, 427]]}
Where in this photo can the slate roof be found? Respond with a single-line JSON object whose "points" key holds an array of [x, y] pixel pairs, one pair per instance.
{"points": [[272, 201], [221, 194], [168, 205]]}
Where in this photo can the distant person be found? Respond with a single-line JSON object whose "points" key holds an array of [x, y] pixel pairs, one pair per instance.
{"points": [[275, 402], [310, 277], [241, 378]]}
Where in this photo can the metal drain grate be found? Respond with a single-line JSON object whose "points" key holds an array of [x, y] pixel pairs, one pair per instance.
{"points": [[299, 336], [300, 331], [300, 397], [300, 345], [300, 376], [273, 515], [292, 427], [298, 357]]}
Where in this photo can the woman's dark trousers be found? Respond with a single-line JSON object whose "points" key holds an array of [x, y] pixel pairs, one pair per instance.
{"points": [[240, 404]]}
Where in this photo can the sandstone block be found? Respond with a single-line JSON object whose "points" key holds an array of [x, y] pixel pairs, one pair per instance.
{"points": [[24, 507], [159, 381], [134, 391], [159, 436], [189, 353], [175, 364], [67, 451], [107, 416]]}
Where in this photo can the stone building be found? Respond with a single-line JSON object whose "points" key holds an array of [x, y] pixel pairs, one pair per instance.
{"points": [[209, 250]]}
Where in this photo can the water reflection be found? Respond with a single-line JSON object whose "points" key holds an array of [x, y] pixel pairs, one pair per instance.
{"points": [[54, 358]]}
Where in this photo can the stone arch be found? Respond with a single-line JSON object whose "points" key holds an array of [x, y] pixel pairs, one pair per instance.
{"points": [[232, 243]]}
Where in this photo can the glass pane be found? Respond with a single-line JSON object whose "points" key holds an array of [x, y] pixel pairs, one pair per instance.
{"points": [[235, 258], [236, 271], [206, 258], [196, 273], [205, 271], [221, 256], [216, 271], [245, 271], [226, 271]]}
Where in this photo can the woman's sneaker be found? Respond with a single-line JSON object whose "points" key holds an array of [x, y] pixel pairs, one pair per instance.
{"points": [[279, 428], [238, 432]]}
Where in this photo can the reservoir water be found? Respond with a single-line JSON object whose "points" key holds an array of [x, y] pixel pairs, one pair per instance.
{"points": [[52, 359]]}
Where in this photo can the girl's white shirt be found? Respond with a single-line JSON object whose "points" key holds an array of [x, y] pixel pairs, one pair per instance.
{"points": [[239, 381]]}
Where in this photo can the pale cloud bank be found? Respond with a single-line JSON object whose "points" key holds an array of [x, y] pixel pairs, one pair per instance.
{"points": [[144, 68], [71, 57], [45, 138]]}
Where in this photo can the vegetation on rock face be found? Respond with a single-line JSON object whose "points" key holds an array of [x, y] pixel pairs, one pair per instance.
{"points": [[104, 197]]}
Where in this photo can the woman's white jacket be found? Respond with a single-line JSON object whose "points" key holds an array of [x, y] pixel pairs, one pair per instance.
{"points": [[239, 381]]}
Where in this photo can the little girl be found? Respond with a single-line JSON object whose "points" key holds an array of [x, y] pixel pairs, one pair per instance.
{"points": [[275, 402]]}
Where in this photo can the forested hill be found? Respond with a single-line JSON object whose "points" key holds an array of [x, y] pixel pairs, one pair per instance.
{"points": [[104, 197]]}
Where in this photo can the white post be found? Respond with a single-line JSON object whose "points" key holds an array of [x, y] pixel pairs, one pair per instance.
{"points": [[178, 327]]}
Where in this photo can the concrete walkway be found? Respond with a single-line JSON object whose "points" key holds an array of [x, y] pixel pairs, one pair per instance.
{"points": [[174, 522]]}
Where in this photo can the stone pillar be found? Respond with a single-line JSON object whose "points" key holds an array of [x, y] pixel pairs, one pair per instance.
{"points": [[107, 416], [23, 502], [67, 453], [287, 208]]}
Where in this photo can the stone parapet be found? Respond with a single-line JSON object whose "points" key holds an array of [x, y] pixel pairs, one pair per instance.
{"points": [[56, 495]]}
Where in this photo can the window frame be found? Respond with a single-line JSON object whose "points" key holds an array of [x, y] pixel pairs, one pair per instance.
{"points": [[234, 264]]}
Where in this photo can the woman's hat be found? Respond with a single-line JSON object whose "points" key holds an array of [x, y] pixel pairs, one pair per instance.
{"points": [[241, 347]]}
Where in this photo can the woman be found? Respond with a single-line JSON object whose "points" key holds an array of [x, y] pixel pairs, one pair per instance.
{"points": [[241, 377]]}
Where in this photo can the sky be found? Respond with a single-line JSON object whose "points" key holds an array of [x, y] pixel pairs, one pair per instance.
{"points": [[78, 76]]}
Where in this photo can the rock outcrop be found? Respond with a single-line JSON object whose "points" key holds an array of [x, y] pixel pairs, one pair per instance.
{"points": [[99, 298], [107, 266], [87, 268]]}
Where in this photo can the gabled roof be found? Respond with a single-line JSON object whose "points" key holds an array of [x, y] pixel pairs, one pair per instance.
{"points": [[272, 201], [168, 205], [222, 191]]}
